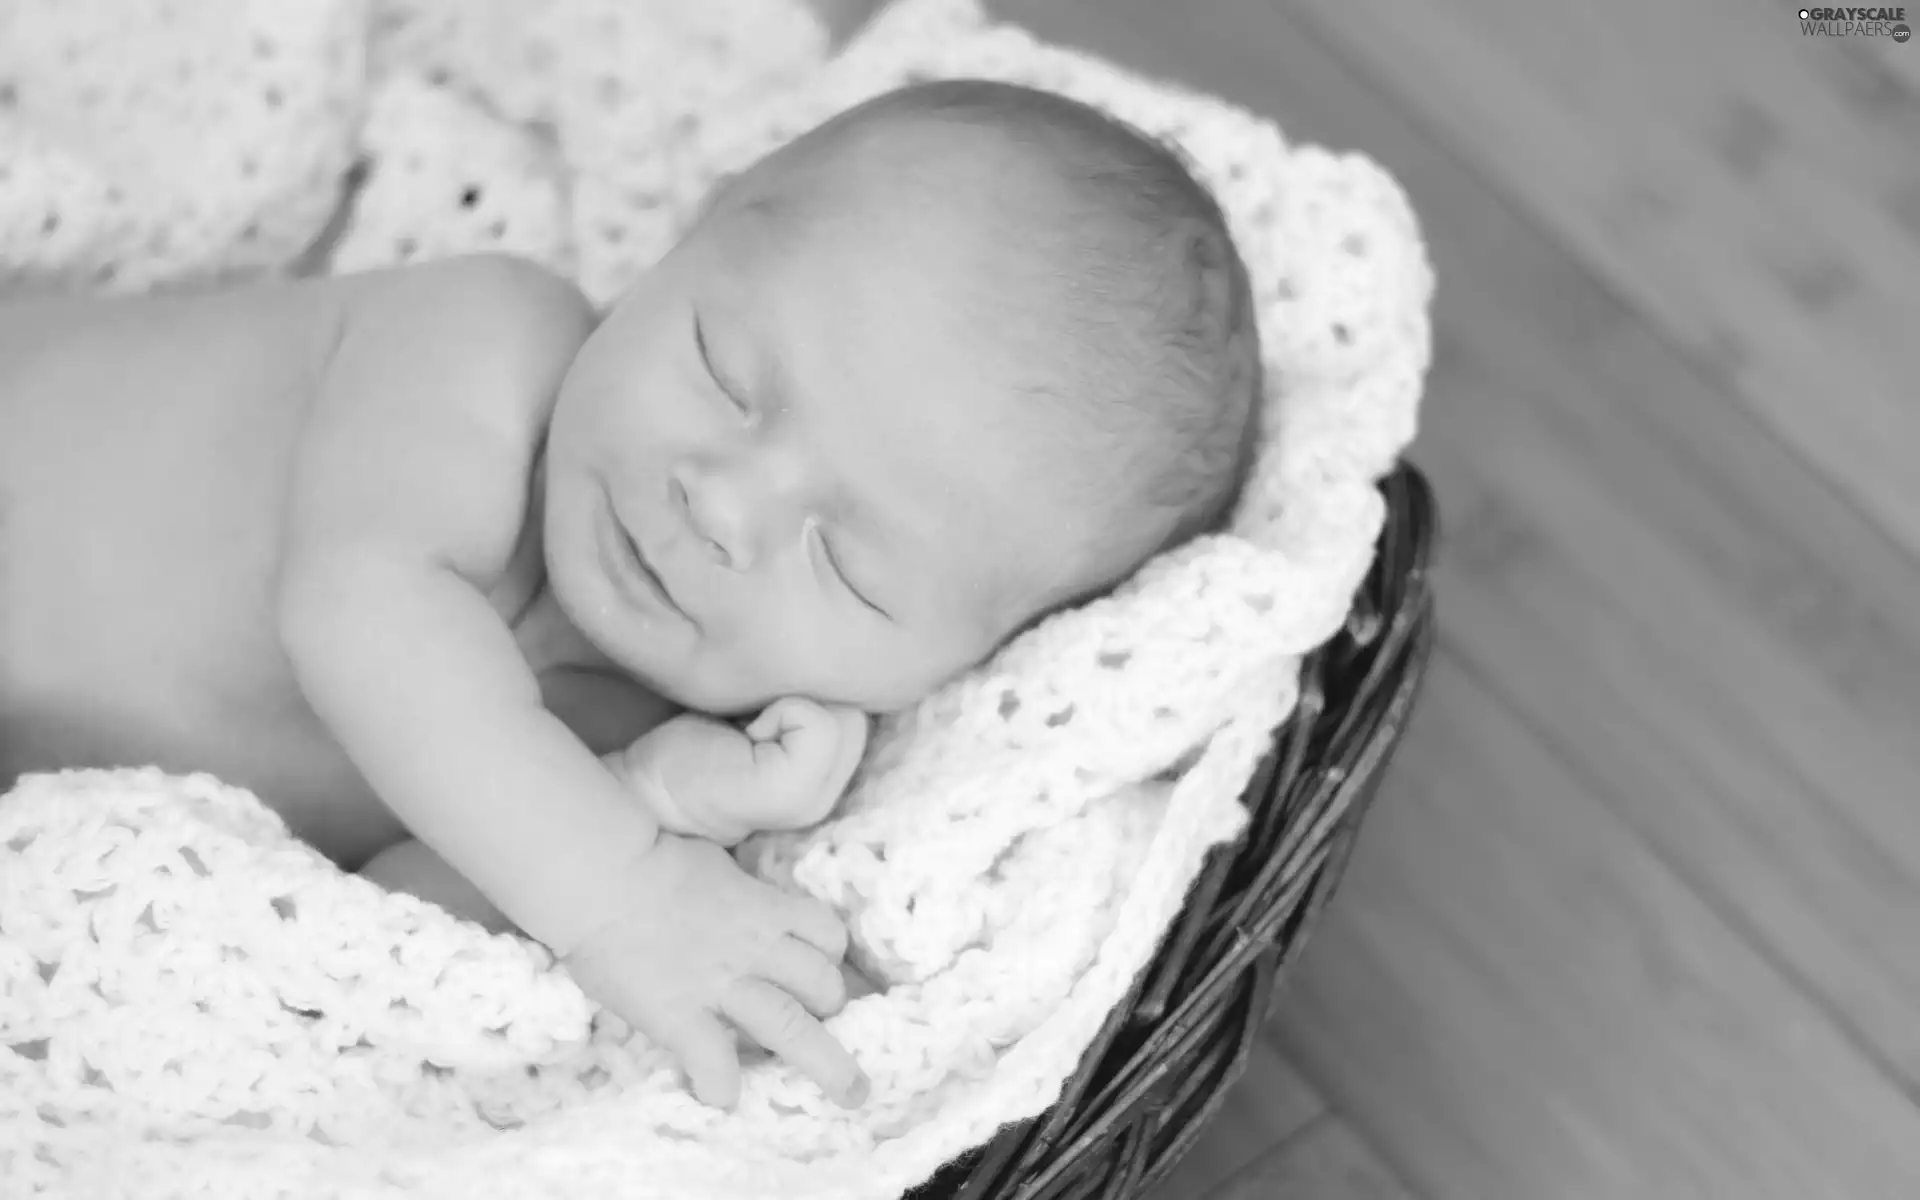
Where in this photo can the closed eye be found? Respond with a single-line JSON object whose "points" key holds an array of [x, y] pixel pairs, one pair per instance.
{"points": [[732, 394], [840, 574]]}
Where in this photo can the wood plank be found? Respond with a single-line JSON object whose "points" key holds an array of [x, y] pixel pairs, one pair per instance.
{"points": [[1898, 64], [1326, 1162], [1697, 158], [1271, 1103], [1653, 678], [1514, 997], [1875, 80]]}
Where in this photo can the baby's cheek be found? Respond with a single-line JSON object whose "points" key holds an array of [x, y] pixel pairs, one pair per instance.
{"points": [[792, 648], [925, 659]]}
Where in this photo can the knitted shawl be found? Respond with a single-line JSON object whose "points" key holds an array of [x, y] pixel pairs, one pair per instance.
{"points": [[193, 1003]]}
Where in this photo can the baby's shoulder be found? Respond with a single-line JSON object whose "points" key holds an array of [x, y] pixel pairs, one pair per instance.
{"points": [[428, 410], [468, 280], [520, 307], [480, 341]]}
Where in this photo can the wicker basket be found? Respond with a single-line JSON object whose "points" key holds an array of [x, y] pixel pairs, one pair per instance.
{"points": [[1163, 1062]]}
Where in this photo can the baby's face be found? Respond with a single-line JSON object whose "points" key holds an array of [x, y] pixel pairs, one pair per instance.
{"points": [[782, 466]]}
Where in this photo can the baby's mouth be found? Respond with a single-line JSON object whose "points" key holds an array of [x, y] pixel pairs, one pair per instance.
{"points": [[639, 572], [646, 569]]}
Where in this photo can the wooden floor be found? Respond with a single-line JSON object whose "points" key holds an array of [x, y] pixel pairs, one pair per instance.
{"points": [[1638, 913]]}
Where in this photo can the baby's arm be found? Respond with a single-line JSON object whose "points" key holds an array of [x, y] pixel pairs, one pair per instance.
{"points": [[706, 778], [699, 777], [408, 492], [410, 488]]}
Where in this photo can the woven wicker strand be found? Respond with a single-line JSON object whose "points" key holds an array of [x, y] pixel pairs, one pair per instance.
{"points": [[1165, 1059]]}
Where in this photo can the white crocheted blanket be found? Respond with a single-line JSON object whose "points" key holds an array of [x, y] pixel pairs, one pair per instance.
{"points": [[192, 1003]]}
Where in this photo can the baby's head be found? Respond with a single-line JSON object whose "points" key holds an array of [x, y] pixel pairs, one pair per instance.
{"points": [[962, 356]]}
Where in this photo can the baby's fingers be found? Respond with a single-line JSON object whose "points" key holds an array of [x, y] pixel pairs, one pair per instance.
{"points": [[707, 1054], [786, 715], [816, 924], [807, 975], [777, 1021]]}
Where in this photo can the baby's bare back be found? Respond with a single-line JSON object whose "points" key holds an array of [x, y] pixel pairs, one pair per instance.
{"points": [[144, 456], [145, 453]]}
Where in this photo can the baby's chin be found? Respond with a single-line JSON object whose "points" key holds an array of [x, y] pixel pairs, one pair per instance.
{"points": [[711, 693]]}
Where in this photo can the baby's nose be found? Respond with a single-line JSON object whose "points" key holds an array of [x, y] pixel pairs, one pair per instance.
{"points": [[713, 522], [730, 514]]}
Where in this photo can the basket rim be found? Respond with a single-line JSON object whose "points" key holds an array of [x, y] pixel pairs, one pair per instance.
{"points": [[1131, 1110]]}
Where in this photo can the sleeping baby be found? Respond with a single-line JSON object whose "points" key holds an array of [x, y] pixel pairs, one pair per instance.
{"points": [[533, 611]]}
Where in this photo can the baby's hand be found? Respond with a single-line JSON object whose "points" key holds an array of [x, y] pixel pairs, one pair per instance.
{"points": [[707, 778], [696, 940], [804, 749]]}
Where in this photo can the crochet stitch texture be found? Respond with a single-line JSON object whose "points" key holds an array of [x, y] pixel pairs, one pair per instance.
{"points": [[192, 1003]]}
